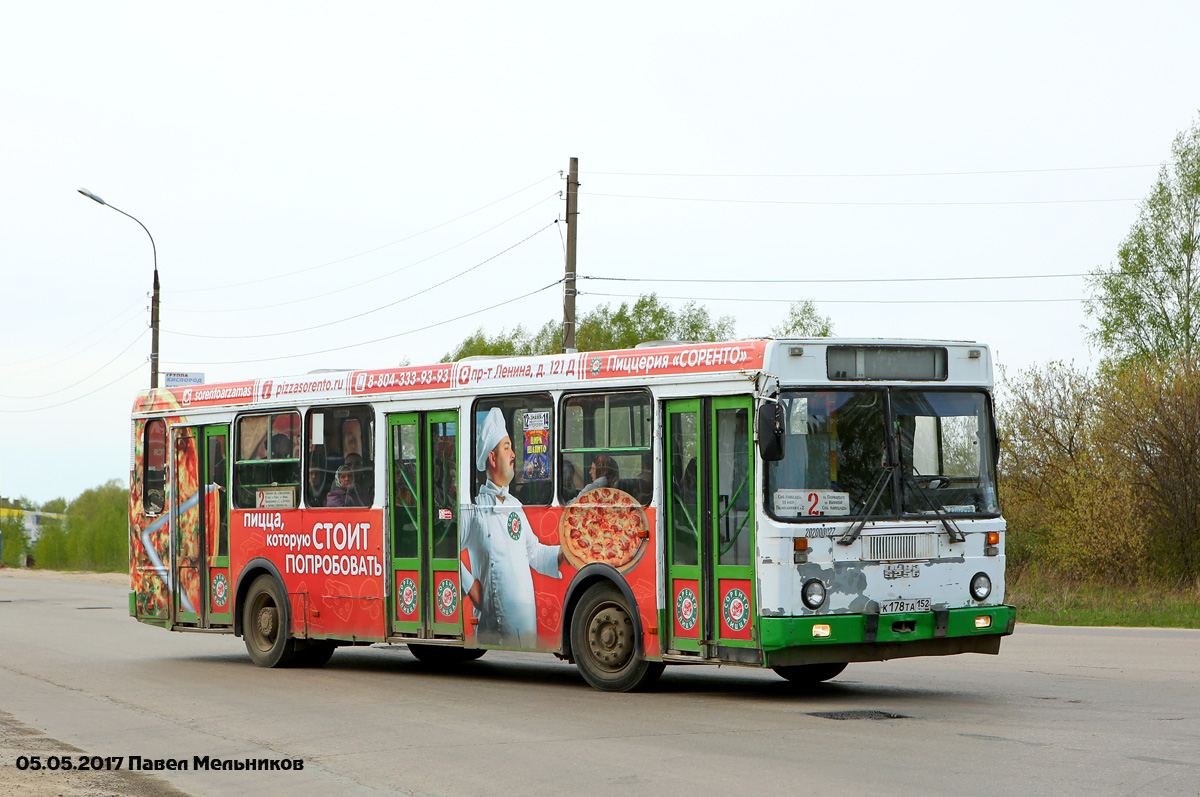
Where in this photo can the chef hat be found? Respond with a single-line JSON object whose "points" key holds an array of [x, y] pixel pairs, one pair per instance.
{"points": [[491, 432]]}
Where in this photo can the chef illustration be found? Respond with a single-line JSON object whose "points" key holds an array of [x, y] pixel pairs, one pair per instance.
{"points": [[502, 546]]}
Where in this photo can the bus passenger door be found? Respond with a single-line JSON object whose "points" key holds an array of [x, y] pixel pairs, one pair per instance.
{"points": [[685, 460], [424, 521], [710, 526], [187, 539], [732, 509], [215, 514]]}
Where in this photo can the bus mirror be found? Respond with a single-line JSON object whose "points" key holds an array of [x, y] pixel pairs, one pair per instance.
{"points": [[770, 431]]}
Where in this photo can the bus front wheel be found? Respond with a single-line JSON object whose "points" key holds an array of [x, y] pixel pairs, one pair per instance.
{"points": [[268, 641], [811, 673], [604, 643]]}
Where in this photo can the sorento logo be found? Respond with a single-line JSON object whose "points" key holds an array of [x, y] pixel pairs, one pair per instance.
{"points": [[187, 397], [267, 387]]}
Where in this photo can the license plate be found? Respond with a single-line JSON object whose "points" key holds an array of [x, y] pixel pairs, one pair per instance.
{"points": [[898, 605]]}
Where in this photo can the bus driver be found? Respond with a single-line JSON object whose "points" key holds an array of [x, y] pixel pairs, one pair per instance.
{"points": [[502, 546]]}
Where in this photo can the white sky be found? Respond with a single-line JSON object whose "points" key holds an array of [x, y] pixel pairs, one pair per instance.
{"points": [[256, 140]]}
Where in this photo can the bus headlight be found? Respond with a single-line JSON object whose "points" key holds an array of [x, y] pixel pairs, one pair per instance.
{"points": [[981, 586], [813, 593]]}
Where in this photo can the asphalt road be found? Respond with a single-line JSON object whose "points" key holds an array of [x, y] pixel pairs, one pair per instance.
{"points": [[1059, 711]]}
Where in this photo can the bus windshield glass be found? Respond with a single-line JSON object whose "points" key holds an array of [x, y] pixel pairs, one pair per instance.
{"points": [[946, 452], [836, 458], [835, 453]]}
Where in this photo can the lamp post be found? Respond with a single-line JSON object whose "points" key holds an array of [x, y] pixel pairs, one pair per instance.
{"points": [[153, 300]]}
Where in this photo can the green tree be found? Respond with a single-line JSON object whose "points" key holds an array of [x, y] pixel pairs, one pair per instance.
{"points": [[1148, 305], [648, 318], [13, 541], [57, 506], [803, 321], [96, 535]]}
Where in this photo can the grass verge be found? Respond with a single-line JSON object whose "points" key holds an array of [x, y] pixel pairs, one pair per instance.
{"points": [[1141, 606]]}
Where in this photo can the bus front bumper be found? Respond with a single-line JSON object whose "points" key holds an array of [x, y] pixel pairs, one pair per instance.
{"points": [[874, 637]]}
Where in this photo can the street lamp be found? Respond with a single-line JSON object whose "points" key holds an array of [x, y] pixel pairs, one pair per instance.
{"points": [[153, 301]]}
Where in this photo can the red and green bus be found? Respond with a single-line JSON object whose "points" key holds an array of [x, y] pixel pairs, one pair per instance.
{"points": [[791, 504]]}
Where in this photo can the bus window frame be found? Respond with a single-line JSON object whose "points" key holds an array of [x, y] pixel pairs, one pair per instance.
{"points": [[369, 444], [235, 461], [551, 442], [164, 470], [651, 404]]}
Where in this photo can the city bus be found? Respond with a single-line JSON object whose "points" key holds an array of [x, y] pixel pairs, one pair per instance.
{"points": [[796, 505]]}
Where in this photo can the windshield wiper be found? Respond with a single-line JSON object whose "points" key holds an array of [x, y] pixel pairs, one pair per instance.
{"points": [[873, 497], [940, 513]]}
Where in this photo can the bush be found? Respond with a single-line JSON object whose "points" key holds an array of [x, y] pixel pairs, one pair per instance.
{"points": [[13, 541]]}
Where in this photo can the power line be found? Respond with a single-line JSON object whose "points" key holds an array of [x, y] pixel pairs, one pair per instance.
{"points": [[839, 301], [376, 340], [864, 204], [891, 174], [94, 340], [79, 398], [839, 281], [368, 251], [377, 309], [327, 293], [140, 335]]}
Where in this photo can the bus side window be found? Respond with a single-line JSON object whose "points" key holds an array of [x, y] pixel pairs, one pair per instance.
{"points": [[154, 474], [266, 470], [606, 443], [527, 423]]}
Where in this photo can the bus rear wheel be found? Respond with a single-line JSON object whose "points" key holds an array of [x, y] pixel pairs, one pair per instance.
{"points": [[811, 673], [604, 643], [444, 654], [264, 620]]}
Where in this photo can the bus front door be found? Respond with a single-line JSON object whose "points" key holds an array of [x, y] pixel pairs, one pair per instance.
{"points": [[423, 472], [710, 528]]}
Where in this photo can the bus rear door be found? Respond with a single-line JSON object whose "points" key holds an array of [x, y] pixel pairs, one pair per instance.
{"points": [[200, 526]]}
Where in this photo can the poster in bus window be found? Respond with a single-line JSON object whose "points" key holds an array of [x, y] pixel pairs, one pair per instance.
{"points": [[502, 549], [537, 431]]}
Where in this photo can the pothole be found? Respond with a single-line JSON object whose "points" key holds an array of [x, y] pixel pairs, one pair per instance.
{"points": [[865, 714]]}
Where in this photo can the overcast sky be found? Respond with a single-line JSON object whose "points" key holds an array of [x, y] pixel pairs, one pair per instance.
{"points": [[321, 167]]}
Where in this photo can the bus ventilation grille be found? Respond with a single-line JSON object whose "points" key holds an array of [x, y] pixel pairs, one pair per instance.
{"points": [[901, 546]]}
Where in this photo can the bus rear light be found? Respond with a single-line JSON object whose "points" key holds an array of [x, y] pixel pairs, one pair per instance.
{"points": [[983, 621], [821, 630]]}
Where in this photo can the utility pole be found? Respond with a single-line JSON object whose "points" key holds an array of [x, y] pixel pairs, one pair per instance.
{"points": [[569, 284]]}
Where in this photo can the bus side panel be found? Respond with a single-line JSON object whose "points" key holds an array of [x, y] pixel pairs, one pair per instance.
{"points": [[149, 537], [550, 591], [331, 561]]}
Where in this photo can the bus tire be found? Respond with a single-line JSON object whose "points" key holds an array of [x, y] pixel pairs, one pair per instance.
{"points": [[444, 654], [811, 673], [268, 641], [604, 643]]}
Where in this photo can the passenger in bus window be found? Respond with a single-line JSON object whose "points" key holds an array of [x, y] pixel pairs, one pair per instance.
{"points": [[316, 485], [502, 546], [281, 446], [346, 492], [604, 473], [364, 479], [572, 482]]}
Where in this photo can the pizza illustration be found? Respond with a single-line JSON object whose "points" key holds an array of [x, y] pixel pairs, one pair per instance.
{"points": [[603, 525]]}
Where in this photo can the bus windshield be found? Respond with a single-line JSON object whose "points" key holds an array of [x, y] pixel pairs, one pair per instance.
{"points": [[836, 455], [946, 452]]}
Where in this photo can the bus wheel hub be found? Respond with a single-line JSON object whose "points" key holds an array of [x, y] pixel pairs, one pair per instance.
{"points": [[267, 619], [611, 638]]}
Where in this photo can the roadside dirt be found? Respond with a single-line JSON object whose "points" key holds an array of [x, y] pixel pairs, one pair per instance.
{"points": [[114, 579]]}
